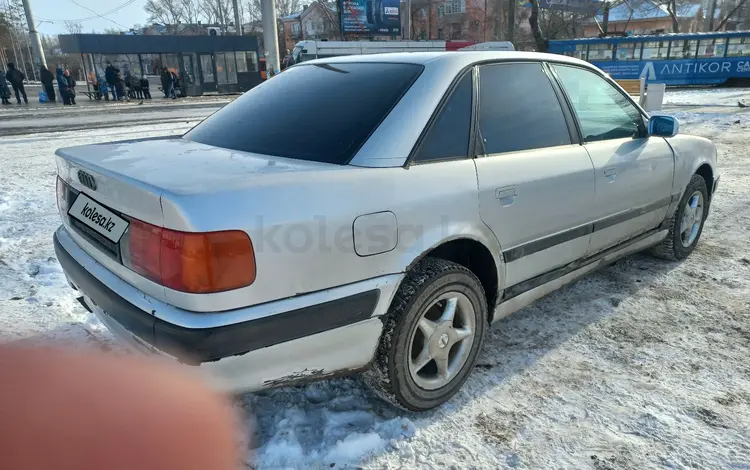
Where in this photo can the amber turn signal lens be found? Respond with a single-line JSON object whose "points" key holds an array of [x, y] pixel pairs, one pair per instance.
{"points": [[197, 263]]}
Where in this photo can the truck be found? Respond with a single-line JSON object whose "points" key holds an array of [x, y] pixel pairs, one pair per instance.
{"points": [[315, 49]]}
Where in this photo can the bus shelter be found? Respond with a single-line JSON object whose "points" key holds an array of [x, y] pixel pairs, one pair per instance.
{"points": [[204, 64]]}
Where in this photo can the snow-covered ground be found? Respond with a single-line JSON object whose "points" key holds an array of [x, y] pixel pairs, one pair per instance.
{"points": [[641, 365]]}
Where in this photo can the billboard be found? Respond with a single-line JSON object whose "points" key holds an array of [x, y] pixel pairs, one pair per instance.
{"points": [[575, 6], [370, 17]]}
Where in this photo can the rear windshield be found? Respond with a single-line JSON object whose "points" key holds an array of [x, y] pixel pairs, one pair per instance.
{"points": [[320, 112]]}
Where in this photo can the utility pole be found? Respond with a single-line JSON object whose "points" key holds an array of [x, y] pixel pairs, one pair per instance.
{"points": [[270, 34], [710, 15], [511, 19], [605, 18], [36, 39], [237, 21], [407, 20]]}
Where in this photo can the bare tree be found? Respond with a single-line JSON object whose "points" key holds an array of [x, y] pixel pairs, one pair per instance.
{"points": [[731, 13], [73, 27], [217, 11], [191, 10], [164, 11], [542, 43]]}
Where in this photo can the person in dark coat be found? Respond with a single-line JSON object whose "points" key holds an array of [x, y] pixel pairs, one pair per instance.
{"points": [[110, 75], [166, 81], [144, 88], [4, 90], [119, 85], [71, 90], [62, 85], [47, 78], [16, 78]]}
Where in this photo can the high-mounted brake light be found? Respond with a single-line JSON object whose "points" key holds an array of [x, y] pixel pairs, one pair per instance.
{"points": [[198, 263]]}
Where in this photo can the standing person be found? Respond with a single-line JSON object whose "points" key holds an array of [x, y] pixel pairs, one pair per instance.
{"points": [[110, 75], [62, 85], [47, 78], [16, 78], [119, 85], [137, 87], [4, 90], [165, 79], [144, 88], [175, 84], [71, 90]]}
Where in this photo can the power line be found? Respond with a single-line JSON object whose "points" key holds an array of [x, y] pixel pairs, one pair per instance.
{"points": [[96, 16]]}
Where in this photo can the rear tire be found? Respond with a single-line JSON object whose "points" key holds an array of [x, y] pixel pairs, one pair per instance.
{"points": [[686, 225], [426, 353]]}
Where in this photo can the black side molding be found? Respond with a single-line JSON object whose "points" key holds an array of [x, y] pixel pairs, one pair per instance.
{"points": [[194, 346], [521, 287], [548, 242]]}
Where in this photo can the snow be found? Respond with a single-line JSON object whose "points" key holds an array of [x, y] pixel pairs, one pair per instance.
{"points": [[641, 365]]}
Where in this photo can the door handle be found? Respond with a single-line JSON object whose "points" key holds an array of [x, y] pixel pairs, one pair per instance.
{"points": [[507, 195], [610, 174]]}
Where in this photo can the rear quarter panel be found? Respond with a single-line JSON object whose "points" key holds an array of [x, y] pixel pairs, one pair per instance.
{"points": [[301, 226]]}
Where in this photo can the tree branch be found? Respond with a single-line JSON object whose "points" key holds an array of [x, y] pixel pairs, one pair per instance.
{"points": [[729, 15]]}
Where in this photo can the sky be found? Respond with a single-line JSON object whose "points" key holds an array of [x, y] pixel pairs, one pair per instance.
{"points": [[59, 10]]}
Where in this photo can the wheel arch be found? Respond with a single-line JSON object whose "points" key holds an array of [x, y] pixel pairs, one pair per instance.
{"points": [[475, 256], [707, 173]]}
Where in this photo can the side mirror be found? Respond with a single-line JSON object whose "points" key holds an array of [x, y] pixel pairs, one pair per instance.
{"points": [[663, 126]]}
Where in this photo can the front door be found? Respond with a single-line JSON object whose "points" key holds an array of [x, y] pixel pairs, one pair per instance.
{"points": [[633, 171], [536, 183], [208, 72]]}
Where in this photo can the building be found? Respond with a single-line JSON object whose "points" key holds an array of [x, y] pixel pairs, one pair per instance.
{"points": [[463, 20], [648, 18], [206, 63], [319, 20]]}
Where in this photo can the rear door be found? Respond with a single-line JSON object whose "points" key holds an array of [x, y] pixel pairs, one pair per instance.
{"points": [[536, 182], [633, 171]]}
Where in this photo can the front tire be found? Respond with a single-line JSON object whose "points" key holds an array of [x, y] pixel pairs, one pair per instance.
{"points": [[432, 336], [686, 224]]}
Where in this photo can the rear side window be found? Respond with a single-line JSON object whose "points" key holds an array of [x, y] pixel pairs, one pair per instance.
{"points": [[321, 112], [518, 109], [448, 138]]}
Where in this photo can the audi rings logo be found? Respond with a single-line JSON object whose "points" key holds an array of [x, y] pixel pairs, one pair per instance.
{"points": [[87, 180]]}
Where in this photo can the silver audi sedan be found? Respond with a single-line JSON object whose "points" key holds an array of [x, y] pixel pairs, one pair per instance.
{"points": [[374, 213]]}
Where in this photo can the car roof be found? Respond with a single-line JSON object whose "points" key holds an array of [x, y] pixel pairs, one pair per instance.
{"points": [[457, 59]]}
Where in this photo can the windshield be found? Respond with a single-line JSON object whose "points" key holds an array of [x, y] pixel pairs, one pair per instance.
{"points": [[321, 112]]}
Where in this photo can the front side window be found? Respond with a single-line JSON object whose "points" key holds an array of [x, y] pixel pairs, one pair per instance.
{"points": [[448, 138], [603, 112], [518, 109], [321, 112]]}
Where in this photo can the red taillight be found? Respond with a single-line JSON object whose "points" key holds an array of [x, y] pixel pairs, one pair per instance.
{"points": [[62, 196], [191, 262]]}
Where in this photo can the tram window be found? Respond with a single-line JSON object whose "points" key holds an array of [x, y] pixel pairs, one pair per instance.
{"points": [[629, 51], [580, 52], [708, 48], [683, 49], [655, 50], [738, 47], [600, 52]]}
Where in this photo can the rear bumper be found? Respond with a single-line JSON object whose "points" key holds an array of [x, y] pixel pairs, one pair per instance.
{"points": [[316, 339]]}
